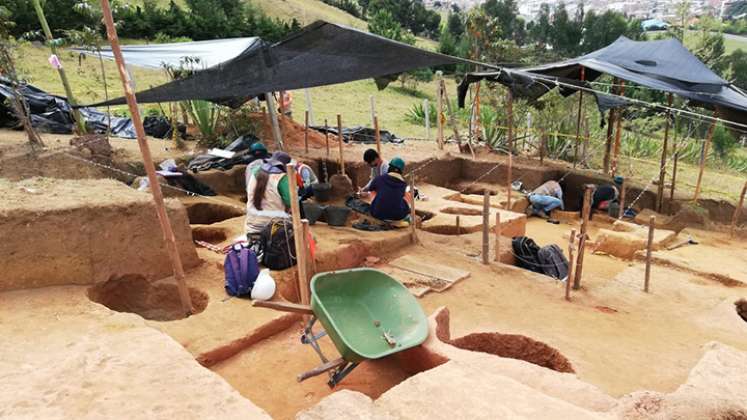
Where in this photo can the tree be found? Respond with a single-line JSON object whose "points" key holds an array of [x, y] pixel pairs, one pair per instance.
{"points": [[506, 13], [383, 23], [601, 30], [737, 68], [541, 30], [455, 24]]}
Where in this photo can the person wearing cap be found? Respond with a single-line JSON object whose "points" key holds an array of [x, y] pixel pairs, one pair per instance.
{"points": [[544, 199], [390, 188], [268, 193], [306, 179], [259, 155], [378, 168]]}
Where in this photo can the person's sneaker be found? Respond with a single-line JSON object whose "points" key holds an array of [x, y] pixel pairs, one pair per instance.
{"points": [[542, 214], [529, 211]]}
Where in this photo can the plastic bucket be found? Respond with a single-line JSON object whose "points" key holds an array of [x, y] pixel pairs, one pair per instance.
{"points": [[313, 212], [321, 191], [336, 216]]}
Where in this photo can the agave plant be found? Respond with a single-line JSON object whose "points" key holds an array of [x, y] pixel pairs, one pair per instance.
{"points": [[205, 116]]}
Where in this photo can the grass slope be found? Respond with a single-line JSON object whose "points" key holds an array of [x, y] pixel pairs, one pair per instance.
{"points": [[308, 11]]}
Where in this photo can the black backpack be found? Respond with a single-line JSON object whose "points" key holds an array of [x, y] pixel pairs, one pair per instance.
{"points": [[553, 262], [526, 252], [278, 248]]}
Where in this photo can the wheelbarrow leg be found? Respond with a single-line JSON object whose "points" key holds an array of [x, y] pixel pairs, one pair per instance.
{"points": [[340, 374], [334, 364], [310, 338]]}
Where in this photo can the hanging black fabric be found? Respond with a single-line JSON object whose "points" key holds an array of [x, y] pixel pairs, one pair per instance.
{"points": [[320, 54], [664, 65]]}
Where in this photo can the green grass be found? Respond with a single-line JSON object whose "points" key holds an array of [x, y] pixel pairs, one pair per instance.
{"points": [[730, 45]]}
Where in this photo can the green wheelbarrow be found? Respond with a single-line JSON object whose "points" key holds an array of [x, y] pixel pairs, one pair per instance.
{"points": [[366, 313]]}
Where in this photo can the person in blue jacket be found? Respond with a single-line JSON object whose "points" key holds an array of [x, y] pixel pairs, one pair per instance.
{"points": [[390, 188]]}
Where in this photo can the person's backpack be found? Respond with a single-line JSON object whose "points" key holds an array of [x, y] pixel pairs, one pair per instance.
{"points": [[241, 269], [526, 252], [278, 245], [553, 262]]}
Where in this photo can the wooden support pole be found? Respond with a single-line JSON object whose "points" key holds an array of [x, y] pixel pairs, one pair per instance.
{"points": [[570, 265], [298, 237], [311, 261], [587, 140], [618, 132], [283, 111], [413, 215], [458, 227], [339, 139], [578, 119], [586, 212], [737, 210], [510, 141], [306, 132], [80, 124], [439, 110], [649, 246], [675, 157], [621, 210], [543, 146], [704, 157], [373, 109], [326, 136], [150, 169], [309, 107], [427, 115], [486, 227], [497, 236], [663, 161], [608, 143], [377, 134], [272, 110]]}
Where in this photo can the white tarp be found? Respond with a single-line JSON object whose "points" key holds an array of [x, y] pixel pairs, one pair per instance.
{"points": [[209, 53]]}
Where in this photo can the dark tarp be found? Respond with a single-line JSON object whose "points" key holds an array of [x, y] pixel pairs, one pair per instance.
{"points": [[320, 54], [360, 134], [53, 114], [663, 65]]}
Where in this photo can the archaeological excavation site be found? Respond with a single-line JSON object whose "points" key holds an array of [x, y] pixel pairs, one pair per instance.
{"points": [[326, 271]]}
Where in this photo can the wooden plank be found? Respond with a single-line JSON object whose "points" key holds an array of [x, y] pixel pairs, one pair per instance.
{"points": [[298, 237], [284, 306], [334, 364]]}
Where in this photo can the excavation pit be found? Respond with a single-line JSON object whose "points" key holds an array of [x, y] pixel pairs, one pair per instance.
{"points": [[462, 211], [741, 308], [155, 301], [211, 234], [204, 213]]}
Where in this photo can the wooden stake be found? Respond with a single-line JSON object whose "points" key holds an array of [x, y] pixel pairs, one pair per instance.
{"points": [[510, 140], [339, 139], [618, 131], [578, 119], [738, 210], [587, 140], [704, 157], [378, 135], [373, 109], [439, 111], [570, 265], [675, 156], [309, 108], [663, 162], [497, 236], [298, 236], [586, 212], [306, 132], [150, 169], [458, 228], [486, 227], [610, 132], [621, 210], [282, 105], [413, 215], [326, 136], [80, 123], [649, 246], [311, 261], [426, 111], [272, 110]]}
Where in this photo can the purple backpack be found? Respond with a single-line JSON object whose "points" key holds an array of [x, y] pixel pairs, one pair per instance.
{"points": [[241, 269]]}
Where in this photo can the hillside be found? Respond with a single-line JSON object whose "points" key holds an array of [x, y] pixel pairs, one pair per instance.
{"points": [[307, 11]]}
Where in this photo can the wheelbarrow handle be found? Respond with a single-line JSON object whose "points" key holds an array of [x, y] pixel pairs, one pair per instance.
{"points": [[333, 364], [284, 306]]}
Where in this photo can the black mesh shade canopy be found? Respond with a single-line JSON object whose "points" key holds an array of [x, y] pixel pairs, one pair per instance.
{"points": [[664, 65], [320, 54]]}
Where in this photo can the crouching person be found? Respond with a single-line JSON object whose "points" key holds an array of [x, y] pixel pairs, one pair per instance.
{"points": [[390, 188], [544, 199], [268, 194]]}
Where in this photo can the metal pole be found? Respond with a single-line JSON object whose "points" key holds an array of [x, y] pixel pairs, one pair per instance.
{"points": [[510, 139], [439, 110], [272, 109], [413, 214], [578, 120], [150, 169], [675, 157], [618, 131]]}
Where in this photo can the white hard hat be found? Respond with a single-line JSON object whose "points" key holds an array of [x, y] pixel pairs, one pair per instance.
{"points": [[264, 286]]}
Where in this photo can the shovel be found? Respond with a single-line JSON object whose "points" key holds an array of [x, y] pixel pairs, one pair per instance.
{"points": [[689, 241]]}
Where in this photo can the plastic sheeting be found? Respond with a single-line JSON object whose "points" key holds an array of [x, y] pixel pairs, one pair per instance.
{"points": [[320, 54], [663, 65], [209, 53]]}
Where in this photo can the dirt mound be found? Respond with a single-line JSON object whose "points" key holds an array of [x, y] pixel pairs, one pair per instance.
{"points": [[292, 133], [133, 293], [515, 346], [342, 187]]}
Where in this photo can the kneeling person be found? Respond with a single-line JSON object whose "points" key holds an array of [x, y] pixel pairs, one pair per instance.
{"points": [[390, 188], [545, 198]]}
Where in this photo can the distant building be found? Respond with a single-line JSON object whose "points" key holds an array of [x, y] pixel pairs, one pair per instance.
{"points": [[654, 25]]}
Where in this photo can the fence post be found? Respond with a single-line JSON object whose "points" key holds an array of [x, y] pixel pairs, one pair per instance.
{"points": [[704, 157], [486, 227], [649, 246], [586, 211], [570, 265]]}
